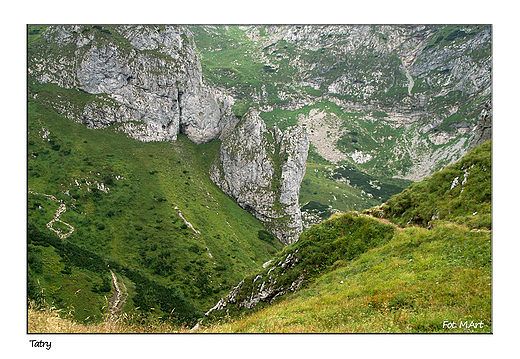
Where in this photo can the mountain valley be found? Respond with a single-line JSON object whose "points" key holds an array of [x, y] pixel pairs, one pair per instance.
{"points": [[176, 171]]}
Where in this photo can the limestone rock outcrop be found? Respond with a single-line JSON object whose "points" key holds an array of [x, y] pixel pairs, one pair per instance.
{"points": [[262, 169], [148, 74], [264, 287]]}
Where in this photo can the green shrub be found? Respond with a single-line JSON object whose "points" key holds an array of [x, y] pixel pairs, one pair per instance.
{"points": [[104, 286], [263, 235]]}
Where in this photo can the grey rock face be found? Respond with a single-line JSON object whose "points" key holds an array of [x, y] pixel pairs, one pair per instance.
{"points": [[483, 130], [202, 119], [262, 170], [152, 74], [101, 71]]}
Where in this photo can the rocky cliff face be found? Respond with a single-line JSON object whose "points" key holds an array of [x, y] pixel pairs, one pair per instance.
{"points": [[262, 170], [148, 74], [483, 130]]}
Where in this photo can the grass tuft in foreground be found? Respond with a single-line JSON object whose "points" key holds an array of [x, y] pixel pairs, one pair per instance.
{"points": [[52, 320]]}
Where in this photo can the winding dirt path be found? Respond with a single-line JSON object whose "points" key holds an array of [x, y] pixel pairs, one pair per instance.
{"points": [[117, 301], [61, 209], [119, 296]]}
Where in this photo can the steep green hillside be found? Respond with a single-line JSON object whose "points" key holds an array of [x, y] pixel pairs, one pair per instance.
{"points": [[419, 282], [358, 273], [149, 208], [119, 228], [461, 193]]}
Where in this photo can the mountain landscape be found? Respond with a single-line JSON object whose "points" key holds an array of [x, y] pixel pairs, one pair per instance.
{"points": [[259, 178]]}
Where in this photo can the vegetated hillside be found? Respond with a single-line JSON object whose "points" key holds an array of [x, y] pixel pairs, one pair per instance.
{"points": [[461, 193], [146, 211], [358, 273], [381, 101], [413, 284]]}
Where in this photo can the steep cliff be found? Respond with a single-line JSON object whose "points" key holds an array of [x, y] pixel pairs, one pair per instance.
{"points": [[148, 74], [262, 169]]}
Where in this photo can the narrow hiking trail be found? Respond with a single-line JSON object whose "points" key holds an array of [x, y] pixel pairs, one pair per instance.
{"points": [[382, 220], [117, 301], [61, 209]]}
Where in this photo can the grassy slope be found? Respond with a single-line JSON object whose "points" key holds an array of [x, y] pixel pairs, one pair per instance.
{"points": [[411, 283], [135, 224], [460, 193]]}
